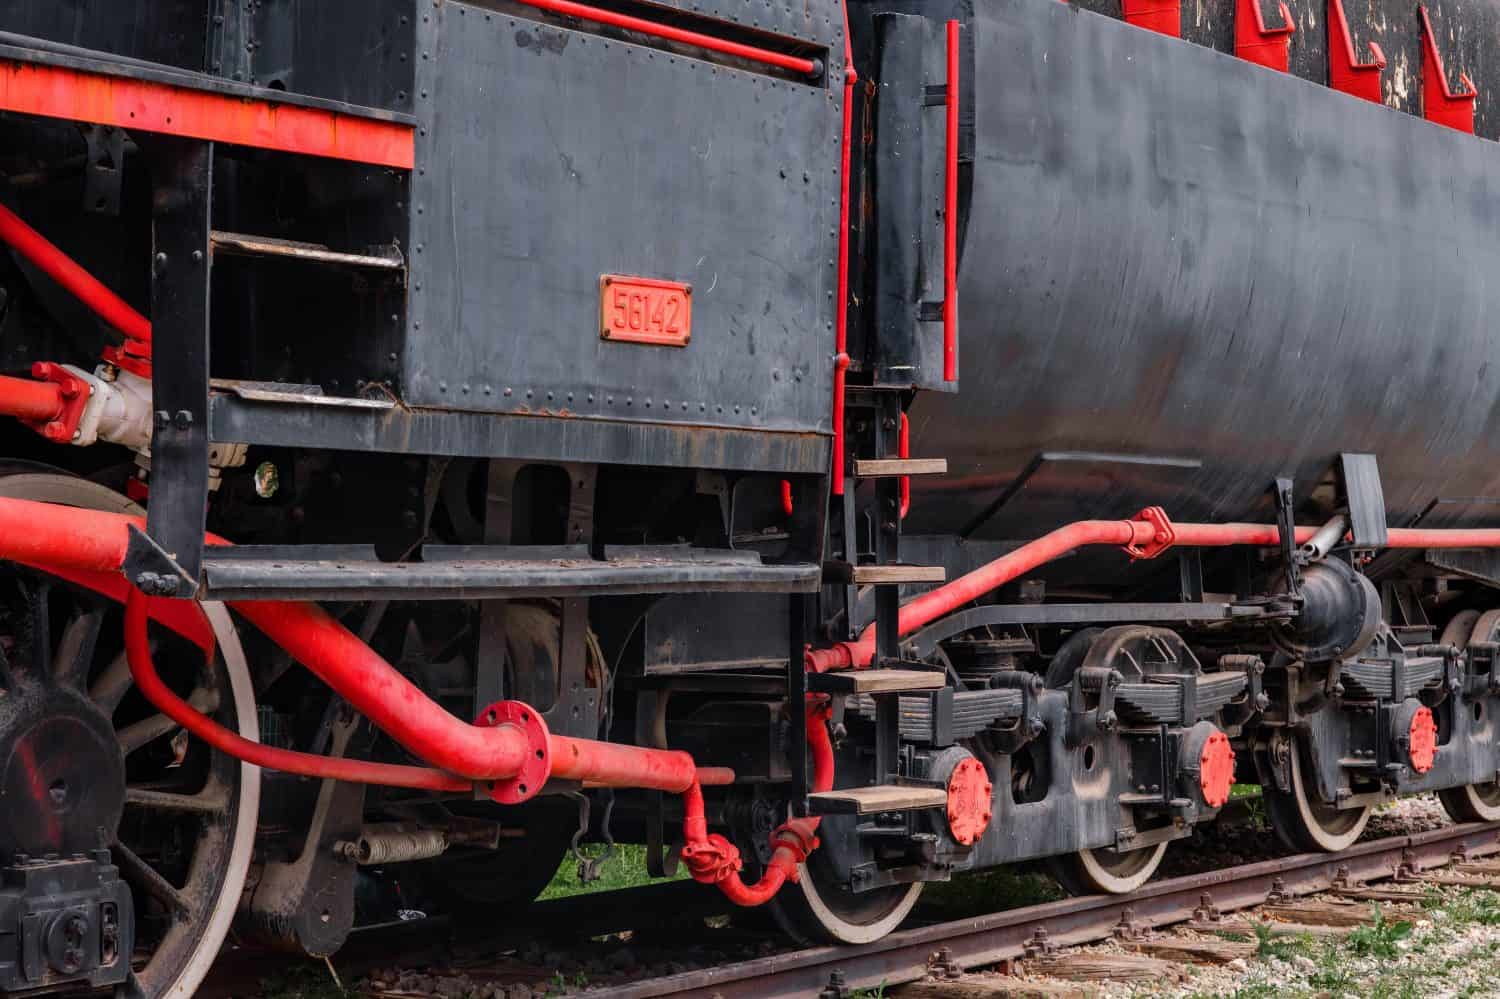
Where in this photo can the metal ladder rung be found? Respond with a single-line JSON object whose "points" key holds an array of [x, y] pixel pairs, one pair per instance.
{"points": [[241, 244]]}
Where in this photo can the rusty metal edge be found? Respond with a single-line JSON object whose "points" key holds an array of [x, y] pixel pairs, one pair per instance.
{"points": [[983, 940]]}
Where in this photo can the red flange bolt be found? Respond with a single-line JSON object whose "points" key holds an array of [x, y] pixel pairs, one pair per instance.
{"points": [[1422, 749], [1216, 769], [969, 806]]}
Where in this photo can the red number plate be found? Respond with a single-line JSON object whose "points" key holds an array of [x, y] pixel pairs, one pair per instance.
{"points": [[645, 310]]}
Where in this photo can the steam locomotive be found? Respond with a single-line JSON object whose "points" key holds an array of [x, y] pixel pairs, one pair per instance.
{"points": [[437, 430]]}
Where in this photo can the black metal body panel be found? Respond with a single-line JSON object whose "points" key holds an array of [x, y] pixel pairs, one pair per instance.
{"points": [[426, 431], [1173, 252], [548, 157], [173, 32]]}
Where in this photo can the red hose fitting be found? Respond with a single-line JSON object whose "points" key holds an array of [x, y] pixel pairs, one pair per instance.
{"points": [[712, 859]]}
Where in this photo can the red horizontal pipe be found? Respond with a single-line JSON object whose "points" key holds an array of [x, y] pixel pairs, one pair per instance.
{"points": [[656, 29], [950, 215], [149, 682], [65, 271], [32, 401], [937, 603], [613, 764]]}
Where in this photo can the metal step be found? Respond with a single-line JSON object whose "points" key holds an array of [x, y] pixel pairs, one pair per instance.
{"points": [[879, 798], [882, 468], [244, 245], [876, 681], [288, 574]]}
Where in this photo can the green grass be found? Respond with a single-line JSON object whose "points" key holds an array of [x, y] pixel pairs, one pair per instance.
{"points": [[625, 869], [1379, 939]]}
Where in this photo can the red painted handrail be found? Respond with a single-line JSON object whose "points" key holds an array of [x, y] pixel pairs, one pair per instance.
{"points": [[950, 216], [754, 53]]}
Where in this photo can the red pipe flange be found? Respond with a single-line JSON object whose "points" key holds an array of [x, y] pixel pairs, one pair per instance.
{"points": [[537, 764]]}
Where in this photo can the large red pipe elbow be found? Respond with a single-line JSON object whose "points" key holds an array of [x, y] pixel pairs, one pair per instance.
{"points": [[149, 682]]}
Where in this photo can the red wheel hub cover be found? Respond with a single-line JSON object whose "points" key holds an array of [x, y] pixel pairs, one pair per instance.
{"points": [[1423, 736], [969, 806], [1216, 769]]}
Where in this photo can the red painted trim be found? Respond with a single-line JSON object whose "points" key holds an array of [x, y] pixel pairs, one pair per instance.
{"points": [[754, 53], [950, 217], [1345, 71], [74, 95], [1441, 103], [1257, 43]]}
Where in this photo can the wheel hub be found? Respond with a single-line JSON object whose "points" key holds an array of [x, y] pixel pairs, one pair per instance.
{"points": [[63, 776]]}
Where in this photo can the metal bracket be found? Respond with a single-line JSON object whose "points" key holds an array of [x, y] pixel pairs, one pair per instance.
{"points": [[152, 570], [104, 170], [1286, 529], [1359, 480]]}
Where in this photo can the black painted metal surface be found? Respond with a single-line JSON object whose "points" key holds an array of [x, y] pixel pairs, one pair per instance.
{"points": [[551, 156], [1186, 275]]}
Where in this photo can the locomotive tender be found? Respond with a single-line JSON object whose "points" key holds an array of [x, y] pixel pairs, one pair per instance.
{"points": [[435, 428]]}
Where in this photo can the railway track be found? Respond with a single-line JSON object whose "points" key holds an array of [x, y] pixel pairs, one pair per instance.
{"points": [[994, 940]]}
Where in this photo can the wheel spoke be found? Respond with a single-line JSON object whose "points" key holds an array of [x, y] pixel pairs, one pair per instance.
{"points": [[148, 730], [75, 650], [212, 800], [149, 879], [109, 688]]}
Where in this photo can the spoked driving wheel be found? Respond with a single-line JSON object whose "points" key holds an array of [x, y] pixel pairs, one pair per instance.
{"points": [[1472, 802], [1302, 821], [89, 763]]}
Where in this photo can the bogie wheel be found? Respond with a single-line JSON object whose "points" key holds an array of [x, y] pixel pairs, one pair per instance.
{"points": [[182, 816], [1304, 823], [817, 909], [1472, 802], [1105, 871]]}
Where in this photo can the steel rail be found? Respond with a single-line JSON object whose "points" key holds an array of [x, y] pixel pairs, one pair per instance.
{"points": [[986, 940]]}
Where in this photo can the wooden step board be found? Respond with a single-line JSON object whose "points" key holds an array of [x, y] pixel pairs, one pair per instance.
{"points": [[899, 573], [876, 681], [886, 468], [877, 798]]}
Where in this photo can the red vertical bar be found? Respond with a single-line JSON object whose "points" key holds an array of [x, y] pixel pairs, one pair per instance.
{"points": [[841, 313], [903, 450], [950, 218]]}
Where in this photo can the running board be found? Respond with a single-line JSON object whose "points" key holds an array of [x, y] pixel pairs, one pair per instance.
{"points": [[624, 572]]}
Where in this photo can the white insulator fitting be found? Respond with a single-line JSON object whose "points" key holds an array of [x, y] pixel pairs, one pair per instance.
{"points": [[118, 409]]}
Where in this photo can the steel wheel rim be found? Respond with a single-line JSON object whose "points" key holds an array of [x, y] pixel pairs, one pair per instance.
{"points": [[198, 907]]}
